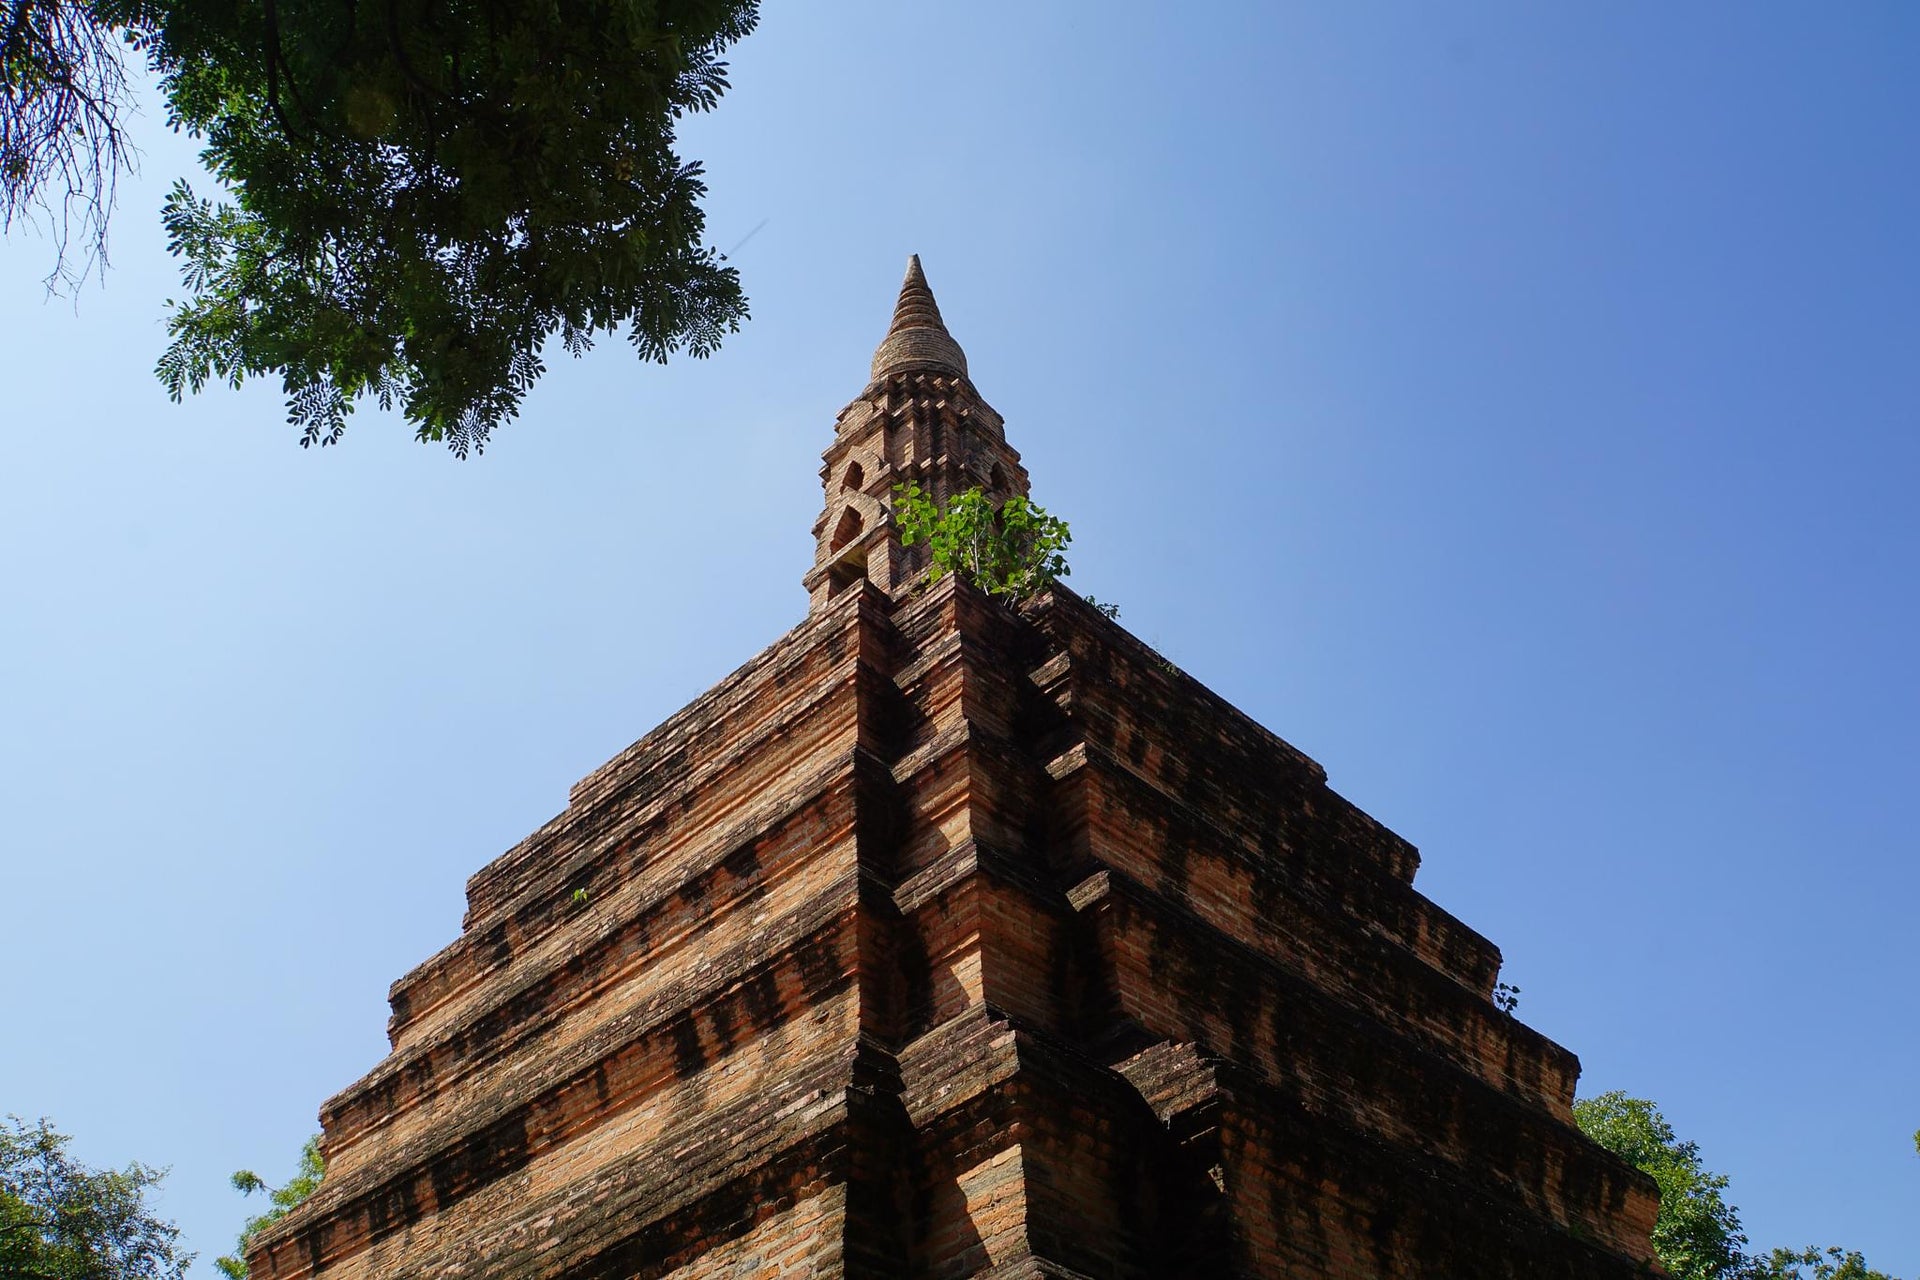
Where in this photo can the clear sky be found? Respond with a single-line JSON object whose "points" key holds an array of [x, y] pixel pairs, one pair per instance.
{"points": [[1513, 406]]}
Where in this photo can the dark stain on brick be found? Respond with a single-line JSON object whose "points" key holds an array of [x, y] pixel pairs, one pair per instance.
{"points": [[720, 1014], [496, 946], [821, 970], [744, 862], [761, 995], [691, 895], [313, 1241], [1173, 865], [390, 1210], [689, 1058], [601, 1093]]}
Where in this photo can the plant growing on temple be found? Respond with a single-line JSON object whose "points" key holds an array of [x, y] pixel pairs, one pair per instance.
{"points": [[283, 1200], [60, 1220], [1014, 550]]}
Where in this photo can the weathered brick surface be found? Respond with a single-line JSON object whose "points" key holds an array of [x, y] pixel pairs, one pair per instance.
{"points": [[943, 940]]}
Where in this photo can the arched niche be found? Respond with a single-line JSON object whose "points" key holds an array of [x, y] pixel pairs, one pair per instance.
{"points": [[849, 528]]}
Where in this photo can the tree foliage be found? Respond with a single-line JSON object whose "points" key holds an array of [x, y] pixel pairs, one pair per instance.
{"points": [[1815, 1264], [281, 1201], [1698, 1234], [60, 1220], [415, 195], [426, 191], [1013, 551]]}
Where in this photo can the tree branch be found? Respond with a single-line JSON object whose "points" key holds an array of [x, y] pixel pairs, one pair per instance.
{"points": [[273, 74]]}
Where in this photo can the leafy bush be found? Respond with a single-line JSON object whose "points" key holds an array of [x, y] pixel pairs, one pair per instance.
{"points": [[1014, 551]]}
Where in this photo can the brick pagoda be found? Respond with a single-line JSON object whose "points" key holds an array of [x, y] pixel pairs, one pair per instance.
{"points": [[945, 940]]}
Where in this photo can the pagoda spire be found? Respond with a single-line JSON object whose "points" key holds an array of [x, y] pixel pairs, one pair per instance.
{"points": [[918, 337], [919, 421]]}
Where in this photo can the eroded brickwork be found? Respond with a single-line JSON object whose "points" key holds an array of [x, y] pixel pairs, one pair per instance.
{"points": [[943, 940]]}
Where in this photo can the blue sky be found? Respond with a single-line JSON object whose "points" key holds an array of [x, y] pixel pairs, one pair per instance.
{"points": [[1512, 406]]}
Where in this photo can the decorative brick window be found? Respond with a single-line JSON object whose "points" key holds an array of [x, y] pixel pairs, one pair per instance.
{"points": [[847, 530]]}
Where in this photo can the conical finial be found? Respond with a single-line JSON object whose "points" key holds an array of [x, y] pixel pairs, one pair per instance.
{"points": [[916, 308], [918, 338]]}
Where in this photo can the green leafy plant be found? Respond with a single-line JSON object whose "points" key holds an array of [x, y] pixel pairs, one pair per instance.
{"points": [[1014, 551], [305, 1181], [1111, 612], [1506, 997]]}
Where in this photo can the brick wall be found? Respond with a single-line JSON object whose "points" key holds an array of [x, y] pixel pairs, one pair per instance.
{"points": [[944, 941]]}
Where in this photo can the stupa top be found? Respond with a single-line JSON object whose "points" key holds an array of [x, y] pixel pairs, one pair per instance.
{"points": [[918, 338]]}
